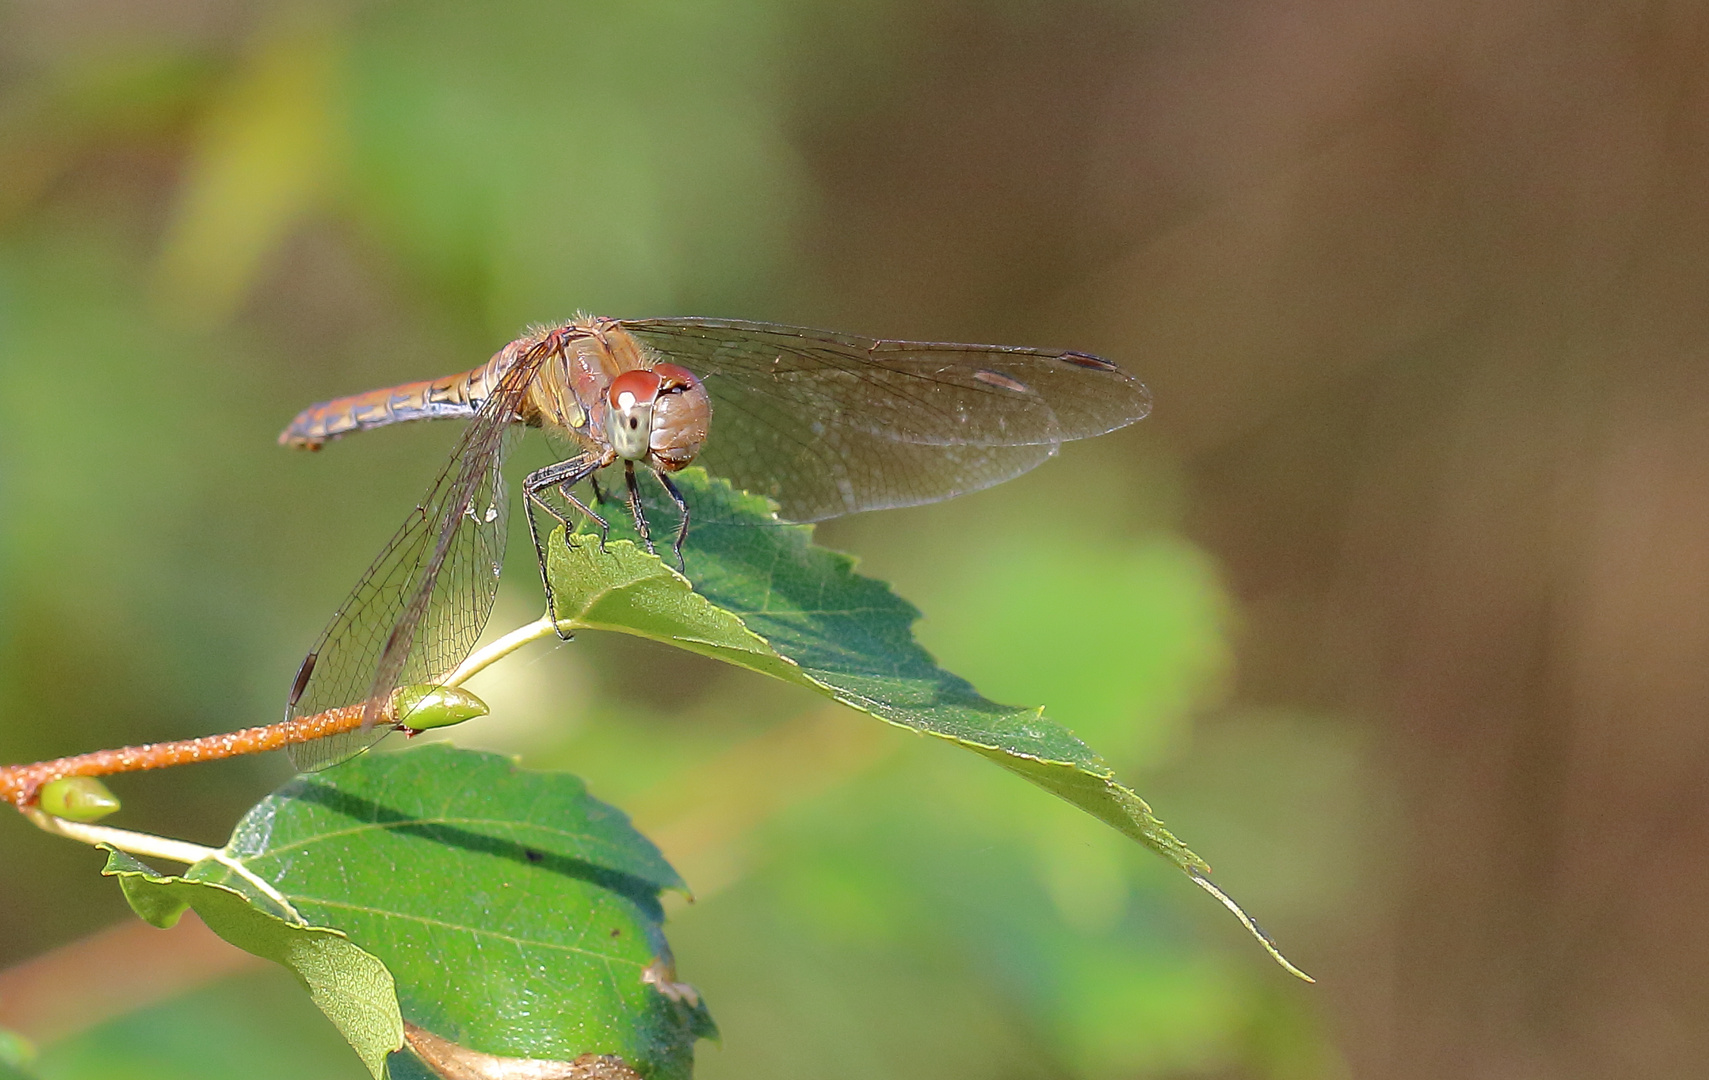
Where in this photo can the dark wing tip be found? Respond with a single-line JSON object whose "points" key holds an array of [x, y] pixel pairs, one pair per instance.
{"points": [[1087, 360], [1139, 395]]}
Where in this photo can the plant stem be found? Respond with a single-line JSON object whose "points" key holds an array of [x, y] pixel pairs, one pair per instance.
{"points": [[20, 783], [154, 847], [134, 843], [482, 658]]}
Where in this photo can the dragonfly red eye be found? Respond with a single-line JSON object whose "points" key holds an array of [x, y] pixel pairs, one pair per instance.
{"points": [[672, 377], [639, 385]]}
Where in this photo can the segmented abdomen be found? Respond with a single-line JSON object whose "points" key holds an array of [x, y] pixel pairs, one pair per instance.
{"points": [[452, 397]]}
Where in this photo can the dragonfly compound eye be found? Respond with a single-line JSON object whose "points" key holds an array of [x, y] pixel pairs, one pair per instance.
{"points": [[629, 413], [682, 416]]}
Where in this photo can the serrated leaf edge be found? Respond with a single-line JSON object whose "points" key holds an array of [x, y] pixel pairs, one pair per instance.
{"points": [[1130, 814], [393, 1021]]}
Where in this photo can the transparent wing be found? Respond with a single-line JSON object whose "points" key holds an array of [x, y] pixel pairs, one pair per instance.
{"points": [[829, 424], [419, 609]]}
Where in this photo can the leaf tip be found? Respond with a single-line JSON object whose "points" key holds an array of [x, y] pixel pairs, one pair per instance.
{"points": [[1251, 924]]}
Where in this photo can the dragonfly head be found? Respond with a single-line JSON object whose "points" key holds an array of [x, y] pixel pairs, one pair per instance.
{"points": [[660, 415], [629, 413]]}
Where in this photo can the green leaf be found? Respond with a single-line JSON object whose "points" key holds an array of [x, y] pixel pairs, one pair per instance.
{"points": [[764, 597], [351, 987], [519, 916]]}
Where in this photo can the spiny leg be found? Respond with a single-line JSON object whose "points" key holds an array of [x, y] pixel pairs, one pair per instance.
{"points": [[635, 506], [530, 501], [564, 476], [564, 472], [566, 490], [598, 492], [682, 527]]}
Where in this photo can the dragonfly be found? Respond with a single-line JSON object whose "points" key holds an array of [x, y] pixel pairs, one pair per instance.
{"points": [[821, 423]]}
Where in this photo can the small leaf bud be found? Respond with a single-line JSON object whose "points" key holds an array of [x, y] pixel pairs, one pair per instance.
{"points": [[77, 798], [424, 706]]}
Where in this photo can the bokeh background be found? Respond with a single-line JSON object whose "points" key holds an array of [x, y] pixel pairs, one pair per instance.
{"points": [[1397, 609]]}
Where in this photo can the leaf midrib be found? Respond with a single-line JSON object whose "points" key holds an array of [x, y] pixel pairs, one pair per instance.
{"points": [[475, 931], [386, 826]]}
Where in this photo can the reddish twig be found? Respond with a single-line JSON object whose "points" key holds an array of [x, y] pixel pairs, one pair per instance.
{"points": [[19, 783]]}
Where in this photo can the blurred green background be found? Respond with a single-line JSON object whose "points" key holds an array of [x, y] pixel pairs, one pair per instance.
{"points": [[1395, 609]]}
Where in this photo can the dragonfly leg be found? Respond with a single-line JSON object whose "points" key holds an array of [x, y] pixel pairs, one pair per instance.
{"points": [[598, 492], [529, 504], [635, 506], [682, 527], [562, 475], [565, 489]]}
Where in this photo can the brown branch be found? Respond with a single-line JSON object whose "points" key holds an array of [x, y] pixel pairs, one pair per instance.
{"points": [[19, 783]]}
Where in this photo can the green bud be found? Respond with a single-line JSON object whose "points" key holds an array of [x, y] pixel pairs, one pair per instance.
{"points": [[77, 798], [420, 707]]}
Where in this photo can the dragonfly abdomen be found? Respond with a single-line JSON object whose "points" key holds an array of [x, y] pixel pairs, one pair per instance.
{"points": [[452, 397]]}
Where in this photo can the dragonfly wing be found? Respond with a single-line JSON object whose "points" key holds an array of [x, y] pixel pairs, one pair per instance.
{"points": [[419, 609], [829, 424]]}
